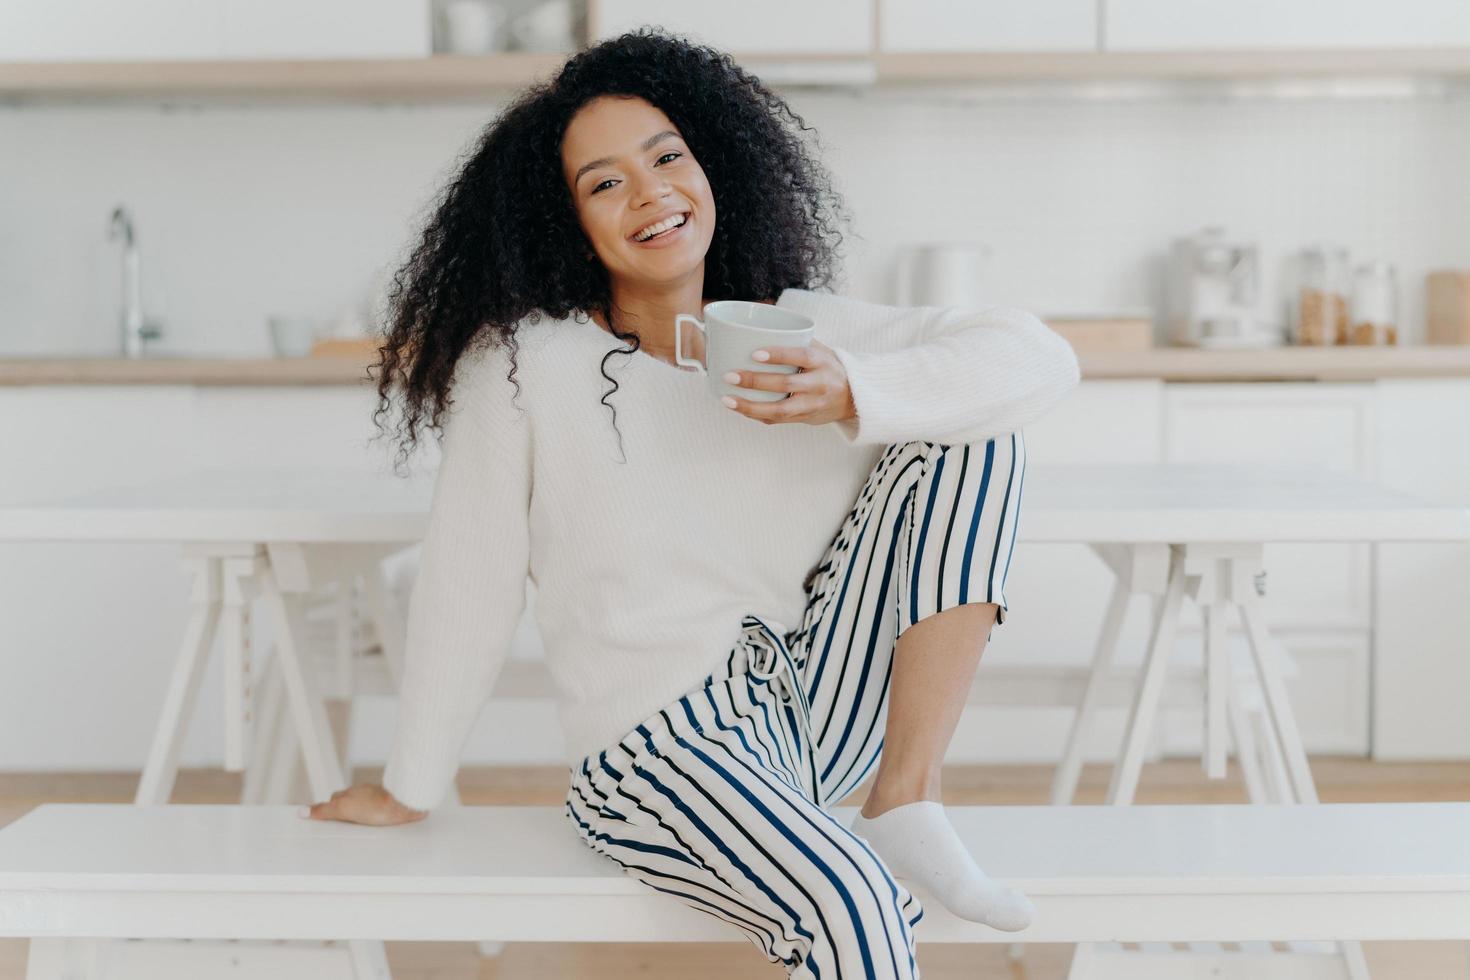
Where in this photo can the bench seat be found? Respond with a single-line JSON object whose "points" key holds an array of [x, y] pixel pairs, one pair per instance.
{"points": [[1163, 873]]}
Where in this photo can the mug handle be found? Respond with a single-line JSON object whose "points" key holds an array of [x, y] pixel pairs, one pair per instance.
{"points": [[679, 357]]}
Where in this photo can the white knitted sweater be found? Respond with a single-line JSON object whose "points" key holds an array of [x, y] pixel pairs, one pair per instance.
{"points": [[643, 570]]}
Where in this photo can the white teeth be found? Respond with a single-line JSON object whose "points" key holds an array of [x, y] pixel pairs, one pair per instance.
{"points": [[664, 225]]}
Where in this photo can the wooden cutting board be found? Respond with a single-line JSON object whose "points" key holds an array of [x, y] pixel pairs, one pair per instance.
{"points": [[1104, 332], [362, 348]]}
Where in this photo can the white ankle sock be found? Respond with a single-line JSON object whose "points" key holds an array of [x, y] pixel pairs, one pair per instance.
{"points": [[917, 842]]}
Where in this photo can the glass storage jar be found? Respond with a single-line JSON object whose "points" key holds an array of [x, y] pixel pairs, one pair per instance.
{"points": [[1375, 310], [1320, 314]]}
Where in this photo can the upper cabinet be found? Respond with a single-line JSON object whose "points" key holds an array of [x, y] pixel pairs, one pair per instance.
{"points": [[748, 27], [63, 49], [326, 28], [201, 30], [1233, 25], [941, 25], [79, 30]]}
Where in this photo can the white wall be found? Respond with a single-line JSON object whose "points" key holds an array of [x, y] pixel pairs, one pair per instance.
{"points": [[241, 212]]}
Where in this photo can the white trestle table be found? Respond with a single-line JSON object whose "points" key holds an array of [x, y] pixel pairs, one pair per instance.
{"points": [[1166, 530]]}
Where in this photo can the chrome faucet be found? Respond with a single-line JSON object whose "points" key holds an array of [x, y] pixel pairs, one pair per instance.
{"points": [[136, 328]]}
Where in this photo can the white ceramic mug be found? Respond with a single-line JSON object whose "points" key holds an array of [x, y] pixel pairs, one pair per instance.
{"points": [[735, 328]]}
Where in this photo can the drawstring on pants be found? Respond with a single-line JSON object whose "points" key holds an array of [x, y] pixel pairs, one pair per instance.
{"points": [[769, 639]]}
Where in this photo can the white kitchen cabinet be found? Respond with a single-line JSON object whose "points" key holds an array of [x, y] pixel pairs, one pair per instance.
{"points": [[1232, 25], [327, 29], [1421, 619], [939, 25], [206, 30], [100, 30], [750, 27]]}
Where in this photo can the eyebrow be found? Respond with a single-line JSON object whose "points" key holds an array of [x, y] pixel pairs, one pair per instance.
{"points": [[604, 161]]}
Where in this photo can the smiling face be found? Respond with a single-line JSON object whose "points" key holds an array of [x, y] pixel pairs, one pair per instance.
{"points": [[628, 168]]}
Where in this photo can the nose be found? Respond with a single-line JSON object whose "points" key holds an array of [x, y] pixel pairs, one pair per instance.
{"points": [[650, 186]]}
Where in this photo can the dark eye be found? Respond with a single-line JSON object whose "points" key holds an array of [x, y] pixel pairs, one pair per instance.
{"points": [[671, 153]]}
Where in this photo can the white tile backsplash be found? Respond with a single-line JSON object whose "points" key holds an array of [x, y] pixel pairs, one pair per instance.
{"points": [[245, 211]]}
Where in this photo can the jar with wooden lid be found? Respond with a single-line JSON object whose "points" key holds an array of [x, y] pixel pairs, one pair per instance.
{"points": [[1375, 308], [1320, 310]]}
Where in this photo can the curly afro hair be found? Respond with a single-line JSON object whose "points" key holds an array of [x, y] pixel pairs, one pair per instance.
{"points": [[474, 274]]}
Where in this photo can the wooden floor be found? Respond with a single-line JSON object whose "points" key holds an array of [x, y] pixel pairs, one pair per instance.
{"points": [[1169, 781]]}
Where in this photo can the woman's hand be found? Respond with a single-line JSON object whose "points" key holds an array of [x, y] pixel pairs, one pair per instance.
{"points": [[366, 803], [819, 390]]}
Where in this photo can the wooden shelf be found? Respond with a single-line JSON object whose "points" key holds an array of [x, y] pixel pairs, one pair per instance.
{"points": [[450, 78]]}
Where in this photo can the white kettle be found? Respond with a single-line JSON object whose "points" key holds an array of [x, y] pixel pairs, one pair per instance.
{"points": [[943, 274]]}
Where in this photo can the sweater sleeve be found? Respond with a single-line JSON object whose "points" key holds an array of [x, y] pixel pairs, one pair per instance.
{"points": [[470, 590], [943, 373]]}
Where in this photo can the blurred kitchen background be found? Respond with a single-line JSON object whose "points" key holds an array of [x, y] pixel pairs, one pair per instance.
{"points": [[1251, 219]]}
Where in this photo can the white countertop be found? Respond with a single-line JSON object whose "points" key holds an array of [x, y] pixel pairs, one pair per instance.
{"points": [[1162, 363]]}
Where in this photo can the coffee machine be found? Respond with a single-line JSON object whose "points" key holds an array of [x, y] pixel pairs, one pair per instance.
{"points": [[1213, 288]]}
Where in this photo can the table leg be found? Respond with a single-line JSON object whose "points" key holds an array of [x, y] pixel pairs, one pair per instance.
{"points": [[1283, 720], [237, 589], [1146, 699], [1217, 685], [324, 769], [1069, 770], [267, 720], [1245, 747], [284, 769], [387, 620], [162, 768]]}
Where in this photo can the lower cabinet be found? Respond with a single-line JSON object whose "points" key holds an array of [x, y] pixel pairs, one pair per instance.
{"points": [[1421, 621]]}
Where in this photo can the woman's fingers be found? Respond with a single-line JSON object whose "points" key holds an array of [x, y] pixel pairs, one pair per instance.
{"points": [[366, 803]]}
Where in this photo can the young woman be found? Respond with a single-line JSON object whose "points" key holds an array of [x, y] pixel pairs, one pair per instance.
{"points": [[747, 609]]}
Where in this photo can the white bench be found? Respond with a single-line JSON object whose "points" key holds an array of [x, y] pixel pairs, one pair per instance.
{"points": [[1150, 873]]}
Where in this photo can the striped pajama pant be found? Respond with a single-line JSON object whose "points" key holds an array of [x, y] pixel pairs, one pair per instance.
{"points": [[720, 798]]}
